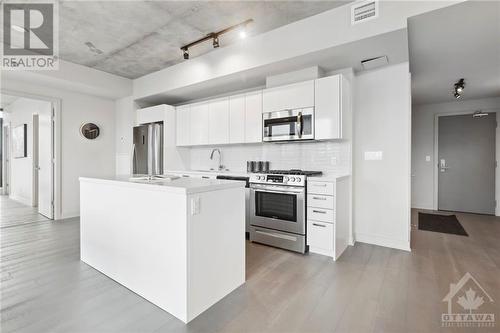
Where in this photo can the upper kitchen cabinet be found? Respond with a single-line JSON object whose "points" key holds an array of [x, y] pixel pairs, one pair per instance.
{"points": [[151, 114], [183, 125], [199, 124], [332, 102], [292, 96], [218, 121], [237, 119], [253, 117]]}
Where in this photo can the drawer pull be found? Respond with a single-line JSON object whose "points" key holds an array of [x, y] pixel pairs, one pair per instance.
{"points": [[319, 185], [319, 211], [319, 225], [319, 198]]}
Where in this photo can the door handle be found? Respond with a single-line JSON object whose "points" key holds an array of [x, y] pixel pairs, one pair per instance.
{"points": [[319, 211], [319, 225], [319, 198], [299, 124]]}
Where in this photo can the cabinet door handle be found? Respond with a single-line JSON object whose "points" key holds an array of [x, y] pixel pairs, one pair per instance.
{"points": [[320, 185], [319, 225], [319, 211], [319, 198]]}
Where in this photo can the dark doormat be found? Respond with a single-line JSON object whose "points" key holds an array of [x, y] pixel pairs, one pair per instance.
{"points": [[447, 224]]}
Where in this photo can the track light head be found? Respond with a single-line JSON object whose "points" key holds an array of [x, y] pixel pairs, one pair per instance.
{"points": [[216, 42], [186, 53], [458, 88]]}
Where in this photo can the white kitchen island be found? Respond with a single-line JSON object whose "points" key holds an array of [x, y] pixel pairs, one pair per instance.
{"points": [[179, 244]]}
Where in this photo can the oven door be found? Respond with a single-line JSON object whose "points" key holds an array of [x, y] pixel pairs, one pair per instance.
{"points": [[278, 207], [288, 125]]}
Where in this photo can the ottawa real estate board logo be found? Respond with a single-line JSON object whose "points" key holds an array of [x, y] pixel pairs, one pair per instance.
{"points": [[29, 34], [469, 305]]}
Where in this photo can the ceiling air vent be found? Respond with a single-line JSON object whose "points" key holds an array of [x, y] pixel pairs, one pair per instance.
{"points": [[363, 11]]}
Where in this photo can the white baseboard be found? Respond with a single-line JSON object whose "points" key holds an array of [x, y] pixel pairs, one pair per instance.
{"points": [[383, 241], [26, 201], [416, 206], [69, 215]]}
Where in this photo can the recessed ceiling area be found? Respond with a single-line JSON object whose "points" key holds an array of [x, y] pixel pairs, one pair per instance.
{"points": [[6, 100], [460, 41], [135, 38]]}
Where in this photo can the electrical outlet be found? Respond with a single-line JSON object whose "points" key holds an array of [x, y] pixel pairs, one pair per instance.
{"points": [[373, 155], [427, 158], [195, 206]]}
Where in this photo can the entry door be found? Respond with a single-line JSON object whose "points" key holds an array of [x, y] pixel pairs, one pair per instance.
{"points": [[466, 164], [45, 158]]}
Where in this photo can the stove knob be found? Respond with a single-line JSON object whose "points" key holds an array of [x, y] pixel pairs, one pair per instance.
{"points": [[262, 177], [286, 178], [292, 179]]}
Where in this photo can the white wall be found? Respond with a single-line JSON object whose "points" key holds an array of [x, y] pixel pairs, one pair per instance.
{"points": [[21, 176], [423, 136], [382, 115], [79, 156]]}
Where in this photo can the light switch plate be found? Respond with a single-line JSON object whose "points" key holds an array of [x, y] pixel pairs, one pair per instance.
{"points": [[373, 155], [427, 158]]}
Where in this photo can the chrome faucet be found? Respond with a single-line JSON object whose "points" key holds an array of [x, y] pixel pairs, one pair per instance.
{"points": [[221, 167]]}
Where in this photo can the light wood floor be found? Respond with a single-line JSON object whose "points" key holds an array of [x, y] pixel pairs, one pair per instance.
{"points": [[46, 288]]}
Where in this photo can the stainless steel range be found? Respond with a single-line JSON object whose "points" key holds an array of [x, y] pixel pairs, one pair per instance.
{"points": [[278, 208]]}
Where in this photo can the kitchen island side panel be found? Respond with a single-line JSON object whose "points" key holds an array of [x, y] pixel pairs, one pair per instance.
{"points": [[216, 250], [137, 237]]}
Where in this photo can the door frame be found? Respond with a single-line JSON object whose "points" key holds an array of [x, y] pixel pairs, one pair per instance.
{"points": [[56, 146], [6, 158], [436, 154], [35, 160]]}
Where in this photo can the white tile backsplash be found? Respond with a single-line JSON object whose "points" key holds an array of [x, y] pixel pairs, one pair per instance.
{"points": [[329, 157]]}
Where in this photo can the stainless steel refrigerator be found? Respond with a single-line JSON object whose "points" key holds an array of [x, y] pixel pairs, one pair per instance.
{"points": [[148, 149]]}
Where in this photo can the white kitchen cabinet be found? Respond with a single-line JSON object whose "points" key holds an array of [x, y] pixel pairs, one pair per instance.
{"points": [[292, 96], [332, 103], [151, 114], [183, 125], [253, 117], [237, 119], [199, 124], [218, 121], [328, 216]]}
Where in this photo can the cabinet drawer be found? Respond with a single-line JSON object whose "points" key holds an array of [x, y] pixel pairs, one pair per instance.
{"points": [[314, 187], [320, 201], [320, 235], [320, 214]]}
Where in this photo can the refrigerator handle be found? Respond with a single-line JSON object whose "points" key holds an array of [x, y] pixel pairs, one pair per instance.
{"points": [[134, 160]]}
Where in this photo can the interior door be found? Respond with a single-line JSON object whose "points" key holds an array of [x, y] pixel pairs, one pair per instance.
{"points": [[45, 159], [466, 164]]}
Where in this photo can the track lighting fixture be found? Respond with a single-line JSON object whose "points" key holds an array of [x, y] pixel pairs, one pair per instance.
{"points": [[214, 36], [459, 88]]}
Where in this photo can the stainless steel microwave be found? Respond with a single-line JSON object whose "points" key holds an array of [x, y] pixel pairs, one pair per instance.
{"points": [[288, 125]]}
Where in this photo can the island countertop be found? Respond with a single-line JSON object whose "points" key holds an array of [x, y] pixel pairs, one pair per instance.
{"points": [[180, 185]]}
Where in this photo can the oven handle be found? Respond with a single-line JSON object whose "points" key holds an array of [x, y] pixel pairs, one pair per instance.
{"points": [[277, 191]]}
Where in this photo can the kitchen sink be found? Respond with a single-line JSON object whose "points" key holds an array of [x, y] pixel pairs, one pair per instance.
{"points": [[153, 179]]}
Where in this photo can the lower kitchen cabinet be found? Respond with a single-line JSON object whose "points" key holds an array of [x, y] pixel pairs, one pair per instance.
{"points": [[328, 216]]}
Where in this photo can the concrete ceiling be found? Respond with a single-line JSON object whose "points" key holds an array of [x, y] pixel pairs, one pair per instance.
{"points": [[134, 38], [460, 41]]}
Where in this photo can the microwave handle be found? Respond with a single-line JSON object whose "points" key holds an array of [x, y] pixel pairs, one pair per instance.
{"points": [[299, 124]]}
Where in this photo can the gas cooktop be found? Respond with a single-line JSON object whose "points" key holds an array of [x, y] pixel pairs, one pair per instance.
{"points": [[295, 172]]}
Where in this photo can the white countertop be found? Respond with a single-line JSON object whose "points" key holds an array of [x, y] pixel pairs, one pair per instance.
{"points": [[178, 185], [328, 178]]}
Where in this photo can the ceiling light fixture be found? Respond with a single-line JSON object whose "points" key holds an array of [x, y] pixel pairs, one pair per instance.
{"points": [[479, 114], [214, 36], [459, 88]]}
